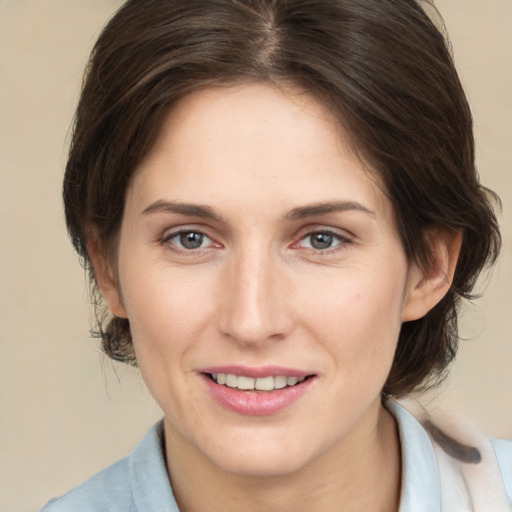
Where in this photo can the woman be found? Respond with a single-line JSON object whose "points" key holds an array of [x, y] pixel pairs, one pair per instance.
{"points": [[279, 204]]}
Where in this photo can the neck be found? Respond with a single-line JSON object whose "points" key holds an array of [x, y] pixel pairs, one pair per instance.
{"points": [[361, 473]]}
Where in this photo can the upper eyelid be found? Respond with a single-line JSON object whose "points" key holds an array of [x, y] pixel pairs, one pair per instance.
{"points": [[329, 231], [176, 230], [311, 229], [339, 236], [168, 235]]}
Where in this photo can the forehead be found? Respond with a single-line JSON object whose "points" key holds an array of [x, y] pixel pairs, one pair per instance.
{"points": [[257, 115], [254, 142]]}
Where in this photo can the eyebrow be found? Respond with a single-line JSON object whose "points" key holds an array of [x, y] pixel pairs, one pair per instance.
{"points": [[325, 208], [191, 210], [302, 212]]}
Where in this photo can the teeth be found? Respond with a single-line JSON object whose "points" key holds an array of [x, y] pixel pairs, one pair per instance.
{"points": [[260, 384], [231, 381], [264, 383], [291, 381], [246, 383], [279, 382]]}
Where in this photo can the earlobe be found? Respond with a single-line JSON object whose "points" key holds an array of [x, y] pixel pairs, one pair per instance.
{"points": [[427, 287], [105, 280]]}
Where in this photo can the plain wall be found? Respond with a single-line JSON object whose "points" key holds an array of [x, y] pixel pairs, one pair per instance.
{"points": [[65, 411]]}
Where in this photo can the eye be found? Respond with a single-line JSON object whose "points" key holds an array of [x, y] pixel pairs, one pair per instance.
{"points": [[189, 240], [322, 240]]}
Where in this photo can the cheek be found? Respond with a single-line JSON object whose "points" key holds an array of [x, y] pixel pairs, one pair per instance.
{"points": [[358, 320], [166, 308], [167, 321]]}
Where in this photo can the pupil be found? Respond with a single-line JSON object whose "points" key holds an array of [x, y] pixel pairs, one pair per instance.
{"points": [[191, 240], [321, 241]]}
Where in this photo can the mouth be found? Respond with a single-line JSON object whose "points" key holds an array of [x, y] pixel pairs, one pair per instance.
{"points": [[256, 384], [257, 392]]}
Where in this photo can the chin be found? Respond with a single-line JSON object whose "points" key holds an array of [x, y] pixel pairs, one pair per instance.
{"points": [[256, 455], [258, 464]]}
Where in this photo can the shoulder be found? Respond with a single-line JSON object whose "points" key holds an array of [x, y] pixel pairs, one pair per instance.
{"points": [[449, 464], [108, 490], [138, 482]]}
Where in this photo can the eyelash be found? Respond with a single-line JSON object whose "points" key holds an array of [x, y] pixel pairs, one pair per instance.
{"points": [[166, 240], [342, 241]]}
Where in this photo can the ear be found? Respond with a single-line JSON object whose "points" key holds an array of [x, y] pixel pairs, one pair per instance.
{"points": [[105, 279], [428, 286]]}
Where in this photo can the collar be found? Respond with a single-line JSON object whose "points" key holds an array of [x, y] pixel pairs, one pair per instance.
{"points": [[421, 482], [149, 482]]}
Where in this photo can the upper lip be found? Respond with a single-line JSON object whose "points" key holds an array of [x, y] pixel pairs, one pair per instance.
{"points": [[256, 372]]}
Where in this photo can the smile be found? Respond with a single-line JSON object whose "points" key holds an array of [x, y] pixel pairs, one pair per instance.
{"points": [[259, 384], [256, 392]]}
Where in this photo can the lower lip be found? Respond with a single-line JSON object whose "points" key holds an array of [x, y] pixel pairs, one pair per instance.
{"points": [[257, 404]]}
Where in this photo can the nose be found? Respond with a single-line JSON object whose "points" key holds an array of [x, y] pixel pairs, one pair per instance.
{"points": [[254, 302]]}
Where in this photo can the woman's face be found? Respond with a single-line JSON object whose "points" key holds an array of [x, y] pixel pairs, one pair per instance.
{"points": [[257, 252]]}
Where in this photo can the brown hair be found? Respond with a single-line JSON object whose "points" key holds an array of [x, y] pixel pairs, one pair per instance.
{"points": [[380, 65]]}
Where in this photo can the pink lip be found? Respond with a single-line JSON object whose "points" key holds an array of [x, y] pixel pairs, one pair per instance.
{"points": [[250, 403]]}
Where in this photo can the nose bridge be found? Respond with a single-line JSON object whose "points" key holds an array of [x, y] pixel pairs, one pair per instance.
{"points": [[254, 305]]}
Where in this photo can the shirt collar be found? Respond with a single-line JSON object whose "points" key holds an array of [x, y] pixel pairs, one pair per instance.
{"points": [[150, 485], [421, 483]]}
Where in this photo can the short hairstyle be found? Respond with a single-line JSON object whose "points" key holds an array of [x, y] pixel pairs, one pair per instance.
{"points": [[383, 69]]}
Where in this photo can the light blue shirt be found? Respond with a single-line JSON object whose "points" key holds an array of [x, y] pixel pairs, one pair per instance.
{"points": [[139, 482]]}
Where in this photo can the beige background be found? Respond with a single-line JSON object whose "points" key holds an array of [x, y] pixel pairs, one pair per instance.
{"points": [[65, 411]]}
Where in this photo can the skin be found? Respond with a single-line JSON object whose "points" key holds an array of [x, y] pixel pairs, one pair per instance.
{"points": [[257, 292]]}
